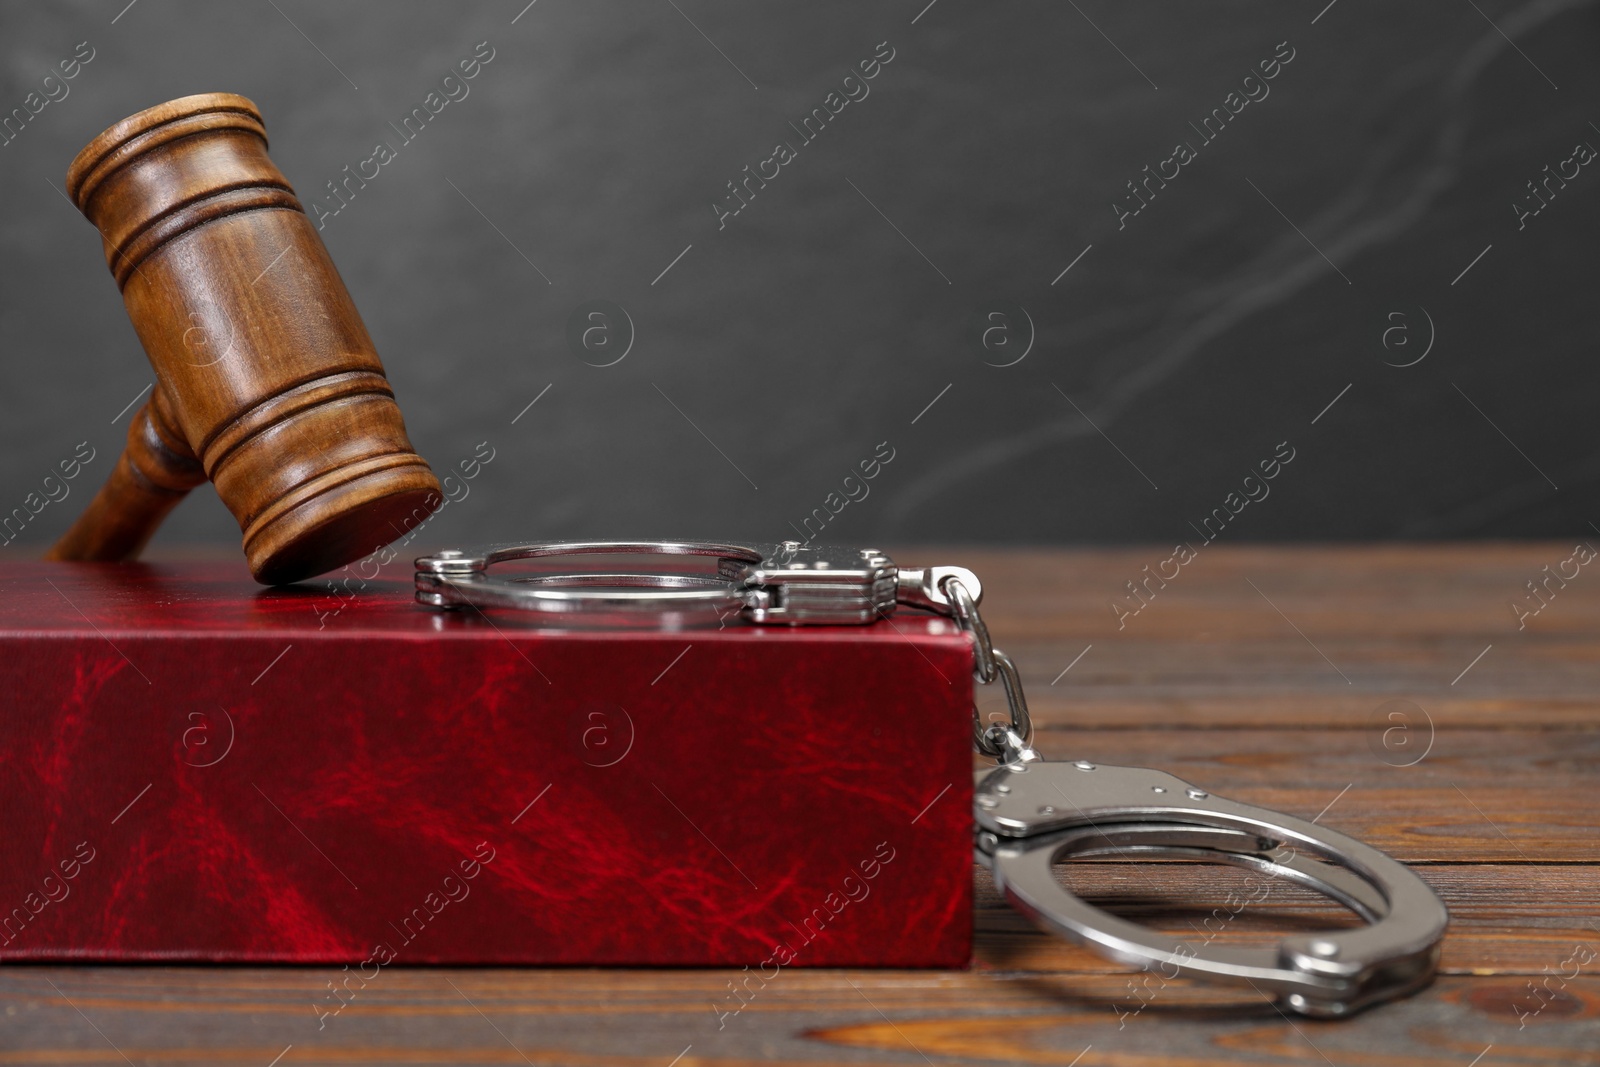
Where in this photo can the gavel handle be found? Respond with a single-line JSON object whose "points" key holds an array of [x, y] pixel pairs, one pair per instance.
{"points": [[154, 473]]}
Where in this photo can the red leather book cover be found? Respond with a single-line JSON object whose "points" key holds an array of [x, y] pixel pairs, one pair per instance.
{"points": [[196, 768]]}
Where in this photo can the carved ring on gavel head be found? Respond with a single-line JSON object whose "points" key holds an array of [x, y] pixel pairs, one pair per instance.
{"points": [[266, 381]]}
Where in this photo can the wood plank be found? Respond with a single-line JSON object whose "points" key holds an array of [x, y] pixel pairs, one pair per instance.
{"points": [[1398, 590], [1210, 649], [1479, 795], [1318, 758], [198, 1015], [1503, 920], [1443, 825]]}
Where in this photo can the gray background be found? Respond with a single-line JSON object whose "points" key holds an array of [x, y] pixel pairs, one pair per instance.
{"points": [[809, 330]]}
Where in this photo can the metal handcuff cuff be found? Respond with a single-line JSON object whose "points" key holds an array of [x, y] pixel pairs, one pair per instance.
{"points": [[1029, 812]]}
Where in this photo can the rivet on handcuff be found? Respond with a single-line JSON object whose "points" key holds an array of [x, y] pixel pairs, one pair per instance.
{"points": [[1029, 812]]}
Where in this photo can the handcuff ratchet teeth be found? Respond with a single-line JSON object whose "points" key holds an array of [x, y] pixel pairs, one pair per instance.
{"points": [[1029, 813]]}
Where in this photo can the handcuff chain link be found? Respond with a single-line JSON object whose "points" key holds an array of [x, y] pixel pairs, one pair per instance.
{"points": [[1008, 742]]}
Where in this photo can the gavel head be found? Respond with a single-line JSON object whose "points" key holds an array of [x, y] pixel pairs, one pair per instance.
{"points": [[262, 363]]}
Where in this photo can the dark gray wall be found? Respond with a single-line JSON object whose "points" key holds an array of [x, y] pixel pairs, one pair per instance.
{"points": [[1178, 351]]}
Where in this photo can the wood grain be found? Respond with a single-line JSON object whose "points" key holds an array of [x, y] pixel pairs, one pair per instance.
{"points": [[1498, 816], [268, 383], [1503, 921], [1322, 638], [155, 472]]}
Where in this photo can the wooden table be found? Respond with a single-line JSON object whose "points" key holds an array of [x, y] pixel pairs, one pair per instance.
{"points": [[1266, 674]]}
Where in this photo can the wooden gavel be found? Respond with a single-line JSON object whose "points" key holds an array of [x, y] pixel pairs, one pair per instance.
{"points": [[266, 380]]}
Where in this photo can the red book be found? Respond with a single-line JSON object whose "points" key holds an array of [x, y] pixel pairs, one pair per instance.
{"points": [[196, 768]]}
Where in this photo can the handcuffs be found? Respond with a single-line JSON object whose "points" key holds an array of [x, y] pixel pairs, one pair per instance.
{"points": [[1028, 812]]}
